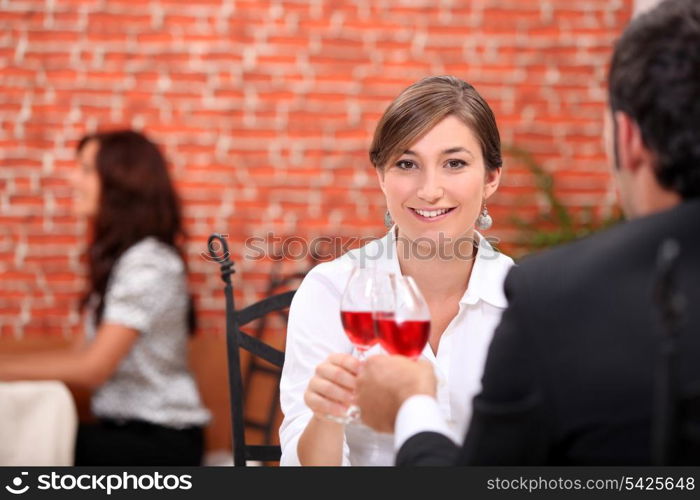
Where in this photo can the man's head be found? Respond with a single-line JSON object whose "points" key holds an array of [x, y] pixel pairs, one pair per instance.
{"points": [[653, 127]]}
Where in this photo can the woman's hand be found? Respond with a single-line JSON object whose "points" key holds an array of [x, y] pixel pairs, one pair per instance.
{"points": [[331, 389], [330, 392]]}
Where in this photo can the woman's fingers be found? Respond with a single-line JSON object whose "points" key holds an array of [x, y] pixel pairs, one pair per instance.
{"points": [[346, 361], [336, 375], [330, 390], [322, 405]]}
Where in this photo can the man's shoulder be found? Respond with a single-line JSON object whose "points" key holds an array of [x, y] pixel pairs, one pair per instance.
{"points": [[614, 251], [565, 257]]}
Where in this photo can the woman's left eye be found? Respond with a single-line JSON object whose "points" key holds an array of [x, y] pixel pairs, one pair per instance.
{"points": [[405, 164], [456, 164]]}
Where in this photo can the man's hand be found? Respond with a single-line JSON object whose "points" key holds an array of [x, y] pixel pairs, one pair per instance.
{"points": [[385, 382]]}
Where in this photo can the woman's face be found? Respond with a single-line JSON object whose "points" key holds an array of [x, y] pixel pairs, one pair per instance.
{"points": [[86, 182], [438, 185]]}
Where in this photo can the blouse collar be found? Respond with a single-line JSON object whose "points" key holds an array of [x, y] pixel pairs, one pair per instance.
{"points": [[485, 283]]}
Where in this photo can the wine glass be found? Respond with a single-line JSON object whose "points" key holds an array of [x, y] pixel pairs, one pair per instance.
{"points": [[356, 316], [401, 315]]}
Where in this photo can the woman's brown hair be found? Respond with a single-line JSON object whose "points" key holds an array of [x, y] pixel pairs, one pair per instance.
{"points": [[137, 200], [422, 106]]}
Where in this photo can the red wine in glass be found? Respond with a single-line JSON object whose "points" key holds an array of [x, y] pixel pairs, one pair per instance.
{"points": [[356, 317], [359, 327], [401, 315], [407, 338]]}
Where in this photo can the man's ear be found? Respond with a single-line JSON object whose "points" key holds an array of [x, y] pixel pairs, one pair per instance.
{"points": [[631, 151], [493, 179], [380, 176]]}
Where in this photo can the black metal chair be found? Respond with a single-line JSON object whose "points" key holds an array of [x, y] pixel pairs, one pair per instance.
{"points": [[235, 339], [258, 367]]}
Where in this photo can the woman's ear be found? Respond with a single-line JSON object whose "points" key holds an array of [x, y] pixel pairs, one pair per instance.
{"points": [[492, 180], [380, 176]]}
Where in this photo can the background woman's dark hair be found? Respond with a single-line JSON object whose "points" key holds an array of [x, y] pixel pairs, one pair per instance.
{"points": [[137, 199], [655, 79]]}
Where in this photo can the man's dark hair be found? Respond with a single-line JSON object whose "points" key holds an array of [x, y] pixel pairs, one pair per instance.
{"points": [[655, 79]]}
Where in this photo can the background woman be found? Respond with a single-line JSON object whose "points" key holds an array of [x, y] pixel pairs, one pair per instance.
{"points": [[138, 313]]}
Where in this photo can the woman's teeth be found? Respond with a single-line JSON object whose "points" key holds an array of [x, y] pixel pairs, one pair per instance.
{"points": [[431, 213]]}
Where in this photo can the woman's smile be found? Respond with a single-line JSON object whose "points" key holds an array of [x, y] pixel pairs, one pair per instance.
{"points": [[431, 215]]}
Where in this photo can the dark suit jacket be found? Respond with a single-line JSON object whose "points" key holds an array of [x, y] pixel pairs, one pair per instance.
{"points": [[570, 371]]}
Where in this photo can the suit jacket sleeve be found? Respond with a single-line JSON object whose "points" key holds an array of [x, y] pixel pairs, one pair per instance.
{"points": [[508, 421]]}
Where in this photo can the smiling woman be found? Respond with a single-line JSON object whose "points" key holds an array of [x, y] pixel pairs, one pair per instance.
{"points": [[436, 151]]}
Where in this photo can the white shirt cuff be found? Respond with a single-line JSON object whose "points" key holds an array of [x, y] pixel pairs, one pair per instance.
{"points": [[418, 414]]}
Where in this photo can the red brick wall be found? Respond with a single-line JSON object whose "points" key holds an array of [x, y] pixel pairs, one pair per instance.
{"points": [[265, 109]]}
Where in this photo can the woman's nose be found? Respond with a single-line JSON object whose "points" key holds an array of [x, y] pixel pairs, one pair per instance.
{"points": [[431, 189]]}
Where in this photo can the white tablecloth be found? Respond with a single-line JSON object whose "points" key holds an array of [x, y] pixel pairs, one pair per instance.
{"points": [[38, 424]]}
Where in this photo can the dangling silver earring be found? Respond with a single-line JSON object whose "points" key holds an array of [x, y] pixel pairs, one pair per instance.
{"points": [[388, 221], [484, 221]]}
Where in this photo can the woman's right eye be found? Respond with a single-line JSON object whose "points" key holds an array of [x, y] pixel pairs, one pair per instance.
{"points": [[405, 164]]}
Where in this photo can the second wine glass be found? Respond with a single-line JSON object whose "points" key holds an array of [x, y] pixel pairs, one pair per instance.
{"points": [[401, 315]]}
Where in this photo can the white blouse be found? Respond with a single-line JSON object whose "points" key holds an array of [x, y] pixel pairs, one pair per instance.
{"points": [[314, 331]]}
